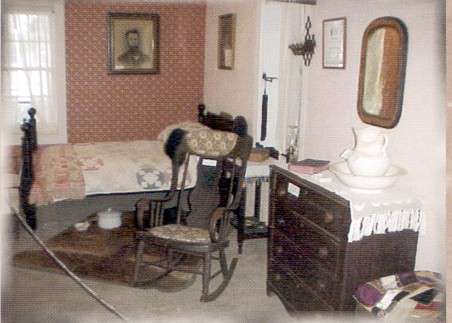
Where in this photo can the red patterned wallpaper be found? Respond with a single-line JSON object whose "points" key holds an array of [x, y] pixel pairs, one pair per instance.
{"points": [[103, 107]]}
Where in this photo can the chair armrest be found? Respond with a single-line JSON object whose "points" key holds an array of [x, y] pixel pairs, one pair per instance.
{"points": [[219, 214]]}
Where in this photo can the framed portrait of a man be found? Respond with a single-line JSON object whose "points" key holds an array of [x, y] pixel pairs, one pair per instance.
{"points": [[133, 43]]}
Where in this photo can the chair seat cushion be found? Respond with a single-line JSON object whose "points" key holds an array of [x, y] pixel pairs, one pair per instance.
{"points": [[182, 233]]}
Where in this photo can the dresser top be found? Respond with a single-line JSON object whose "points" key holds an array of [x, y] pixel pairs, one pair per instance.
{"points": [[391, 210]]}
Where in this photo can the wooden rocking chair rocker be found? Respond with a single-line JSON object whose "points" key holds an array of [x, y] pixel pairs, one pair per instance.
{"points": [[222, 159]]}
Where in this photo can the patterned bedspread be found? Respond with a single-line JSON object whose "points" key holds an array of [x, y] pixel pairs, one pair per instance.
{"points": [[75, 171], [57, 175]]}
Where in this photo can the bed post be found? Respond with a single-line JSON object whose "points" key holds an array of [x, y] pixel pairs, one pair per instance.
{"points": [[201, 113], [26, 177], [32, 122], [240, 126]]}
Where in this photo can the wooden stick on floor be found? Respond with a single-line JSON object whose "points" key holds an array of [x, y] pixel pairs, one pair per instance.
{"points": [[67, 270]]}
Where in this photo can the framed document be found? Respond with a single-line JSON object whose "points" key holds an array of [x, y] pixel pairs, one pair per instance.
{"points": [[226, 41], [334, 32]]}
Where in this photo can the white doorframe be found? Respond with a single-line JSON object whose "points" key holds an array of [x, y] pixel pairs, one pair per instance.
{"points": [[291, 71], [269, 63], [281, 25]]}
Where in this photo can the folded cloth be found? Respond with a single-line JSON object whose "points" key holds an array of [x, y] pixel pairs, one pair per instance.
{"points": [[380, 296], [57, 175]]}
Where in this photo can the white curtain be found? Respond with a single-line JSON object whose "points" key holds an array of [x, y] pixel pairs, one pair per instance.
{"points": [[28, 68]]}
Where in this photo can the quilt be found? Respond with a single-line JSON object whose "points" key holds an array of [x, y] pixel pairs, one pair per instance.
{"points": [[73, 171], [125, 167]]}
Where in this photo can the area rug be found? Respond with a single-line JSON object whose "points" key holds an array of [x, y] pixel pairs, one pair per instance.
{"points": [[107, 255]]}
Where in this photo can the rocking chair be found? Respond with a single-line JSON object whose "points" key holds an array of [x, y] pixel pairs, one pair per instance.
{"points": [[203, 230]]}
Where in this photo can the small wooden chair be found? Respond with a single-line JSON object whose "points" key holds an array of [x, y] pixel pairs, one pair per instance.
{"points": [[222, 159]]}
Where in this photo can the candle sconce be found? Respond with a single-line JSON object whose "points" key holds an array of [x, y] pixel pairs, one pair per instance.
{"points": [[305, 49]]}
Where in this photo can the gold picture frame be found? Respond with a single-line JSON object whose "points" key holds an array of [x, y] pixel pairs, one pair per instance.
{"points": [[133, 43], [226, 41]]}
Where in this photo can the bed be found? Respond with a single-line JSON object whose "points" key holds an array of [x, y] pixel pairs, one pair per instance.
{"points": [[67, 182]]}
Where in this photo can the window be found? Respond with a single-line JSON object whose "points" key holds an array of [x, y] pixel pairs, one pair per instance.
{"points": [[32, 71]]}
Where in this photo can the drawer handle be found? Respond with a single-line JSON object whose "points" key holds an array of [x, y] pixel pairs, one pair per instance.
{"points": [[323, 252], [280, 221], [328, 217], [277, 277], [279, 249], [321, 284]]}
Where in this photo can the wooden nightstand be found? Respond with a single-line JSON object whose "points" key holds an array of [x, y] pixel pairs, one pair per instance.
{"points": [[254, 226]]}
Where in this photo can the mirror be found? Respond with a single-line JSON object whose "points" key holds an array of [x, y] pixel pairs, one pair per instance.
{"points": [[382, 72]]}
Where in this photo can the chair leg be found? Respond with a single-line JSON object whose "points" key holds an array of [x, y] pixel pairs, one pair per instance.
{"points": [[227, 275], [169, 259], [138, 261], [16, 227], [206, 276], [223, 263]]}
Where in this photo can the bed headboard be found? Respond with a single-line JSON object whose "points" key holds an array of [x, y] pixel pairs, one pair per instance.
{"points": [[222, 121]]}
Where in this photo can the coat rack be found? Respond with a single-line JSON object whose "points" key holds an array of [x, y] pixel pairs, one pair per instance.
{"points": [[305, 49]]}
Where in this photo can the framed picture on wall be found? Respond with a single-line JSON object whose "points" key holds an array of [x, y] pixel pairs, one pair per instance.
{"points": [[133, 43], [226, 41], [334, 34]]}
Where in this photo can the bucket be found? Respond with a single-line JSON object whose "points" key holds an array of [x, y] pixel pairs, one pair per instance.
{"points": [[109, 219]]}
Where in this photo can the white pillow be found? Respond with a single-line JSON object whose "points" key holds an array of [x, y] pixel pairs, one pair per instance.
{"points": [[185, 125]]}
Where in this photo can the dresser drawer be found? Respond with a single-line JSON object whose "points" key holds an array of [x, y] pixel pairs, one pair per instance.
{"points": [[287, 221], [291, 199], [289, 194], [321, 249], [318, 247], [295, 291], [285, 254], [332, 217]]}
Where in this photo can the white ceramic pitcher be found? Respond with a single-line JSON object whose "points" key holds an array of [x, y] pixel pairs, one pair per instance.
{"points": [[368, 158]]}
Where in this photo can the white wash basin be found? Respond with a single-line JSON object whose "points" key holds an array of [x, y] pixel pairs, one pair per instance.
{"points": [[370, 184]]}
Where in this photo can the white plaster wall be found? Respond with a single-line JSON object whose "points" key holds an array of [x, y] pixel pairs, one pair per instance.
{"points": [[418, 142], [233, 91], [449, 153]]}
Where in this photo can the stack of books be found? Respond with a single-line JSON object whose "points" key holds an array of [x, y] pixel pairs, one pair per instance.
{"points": [[309, 166]]}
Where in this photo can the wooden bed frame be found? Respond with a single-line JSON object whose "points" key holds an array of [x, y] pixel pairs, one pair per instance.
{"points": [[221, 121]]}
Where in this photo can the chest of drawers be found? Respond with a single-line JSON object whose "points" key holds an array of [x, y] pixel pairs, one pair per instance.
{"points": [[311, 265]]}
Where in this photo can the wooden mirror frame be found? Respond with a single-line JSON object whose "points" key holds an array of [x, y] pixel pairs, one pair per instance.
{"points": [[390, 74]]}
